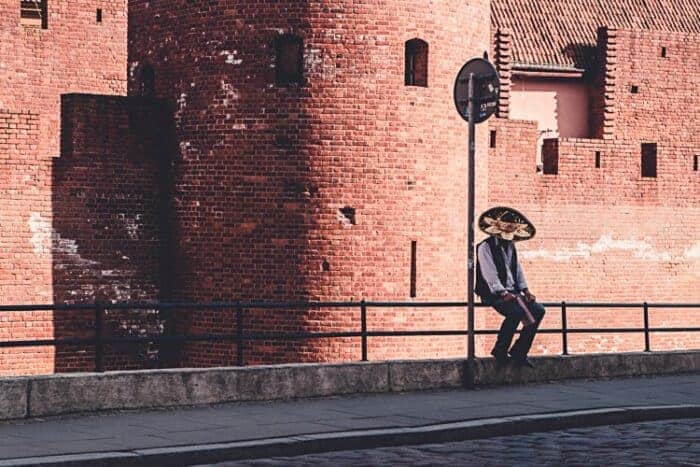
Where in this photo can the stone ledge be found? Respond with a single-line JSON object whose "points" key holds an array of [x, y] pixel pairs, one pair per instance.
{"points": [[607, 365], [423, 375], [13, 398], [91, 392]]}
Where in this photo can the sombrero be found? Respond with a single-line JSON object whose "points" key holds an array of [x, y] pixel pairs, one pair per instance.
{"points": [[506, 223]]}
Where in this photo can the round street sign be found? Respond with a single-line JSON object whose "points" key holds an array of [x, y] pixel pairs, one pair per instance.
{"points": [[487, 89]]}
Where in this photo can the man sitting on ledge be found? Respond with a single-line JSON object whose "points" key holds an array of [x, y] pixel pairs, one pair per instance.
{"points": [[500, 283]]}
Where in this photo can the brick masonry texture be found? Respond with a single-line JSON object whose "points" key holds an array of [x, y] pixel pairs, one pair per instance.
{"points": [[36, 67], [608, 233], [75, 54], [264, 171], [84, 227], [229, 186]]}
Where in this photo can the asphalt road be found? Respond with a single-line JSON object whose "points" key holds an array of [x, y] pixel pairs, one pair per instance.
{"points": [[665, 443]]}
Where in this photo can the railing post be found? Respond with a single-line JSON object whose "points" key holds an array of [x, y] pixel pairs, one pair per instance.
{"points": [[363, 324], [99, 349], [564, 342], [239, 334], [647, 346]]}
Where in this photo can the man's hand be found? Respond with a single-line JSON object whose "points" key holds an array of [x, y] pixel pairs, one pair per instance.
{"points": [[508, 297], [529, 297]]}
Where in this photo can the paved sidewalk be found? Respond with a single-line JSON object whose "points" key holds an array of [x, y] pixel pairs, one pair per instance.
{"points": [[127, 432]]}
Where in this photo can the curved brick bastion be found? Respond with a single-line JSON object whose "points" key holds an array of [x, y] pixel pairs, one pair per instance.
{"points": [[313, 190]]}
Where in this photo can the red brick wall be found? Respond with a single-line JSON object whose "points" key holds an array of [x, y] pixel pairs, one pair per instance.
{"points": [[264, 171], [85, 227], [667, 97], [251, 204], [608, 234], [24, 190], [107, 222], [75, 54]]}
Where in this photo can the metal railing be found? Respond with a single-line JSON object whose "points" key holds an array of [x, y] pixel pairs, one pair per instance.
{"points": [[243, 336]]}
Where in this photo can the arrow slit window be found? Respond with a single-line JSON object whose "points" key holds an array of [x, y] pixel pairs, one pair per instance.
{"points": [[33, 13], [649, 159], [147, 81], [416, 63], [289, 59]]}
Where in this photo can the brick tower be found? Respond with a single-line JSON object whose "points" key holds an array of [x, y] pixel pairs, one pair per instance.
{"points": [[317, 155]]}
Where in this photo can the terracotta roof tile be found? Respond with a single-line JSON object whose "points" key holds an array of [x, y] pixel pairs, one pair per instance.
{"points": [[563, 33]]}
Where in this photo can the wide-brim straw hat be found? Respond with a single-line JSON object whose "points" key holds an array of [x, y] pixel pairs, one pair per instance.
{"points": [[506, 223]]}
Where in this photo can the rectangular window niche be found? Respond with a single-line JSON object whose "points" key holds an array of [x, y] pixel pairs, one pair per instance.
{"points": [[649, 159], [33, 13], [414, 246]]}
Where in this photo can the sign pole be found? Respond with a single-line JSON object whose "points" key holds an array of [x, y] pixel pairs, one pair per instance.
{"points": [[476, 93], [470, 220]]}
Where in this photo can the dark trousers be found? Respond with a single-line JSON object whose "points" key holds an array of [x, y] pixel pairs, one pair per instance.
{"points": [[513, 314]]}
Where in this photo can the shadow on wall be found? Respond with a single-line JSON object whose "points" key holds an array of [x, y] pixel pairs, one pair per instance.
{"points": [[108, 232], [583, 56], [247, 196]]}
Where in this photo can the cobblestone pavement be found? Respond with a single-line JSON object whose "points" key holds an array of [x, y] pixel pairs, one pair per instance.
{"points": [[665, 443]]}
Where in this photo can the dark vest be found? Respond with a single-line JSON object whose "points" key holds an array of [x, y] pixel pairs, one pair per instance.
{"points": [[482, 288]]}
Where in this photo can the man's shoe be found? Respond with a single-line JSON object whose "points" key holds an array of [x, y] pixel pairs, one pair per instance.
{"points": [[502, 358], [522, 361]]}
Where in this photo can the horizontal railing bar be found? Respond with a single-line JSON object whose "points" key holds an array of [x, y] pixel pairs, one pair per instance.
{"points": [[312, 335], [47, 342], [416, 333], [298, 335], [419, 304], [598, 330], [306, 305], [175, 338], [117, 340], [590, 330], [21, 308]]}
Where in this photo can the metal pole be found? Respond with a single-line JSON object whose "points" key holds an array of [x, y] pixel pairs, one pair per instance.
{"points": [[239, 334], [647, 347], [564, 343], [363, 319], [470, 221], [99, 348]]}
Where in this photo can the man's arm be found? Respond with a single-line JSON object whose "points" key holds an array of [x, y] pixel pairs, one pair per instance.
{"points": [[489, 271], [521, 283]]}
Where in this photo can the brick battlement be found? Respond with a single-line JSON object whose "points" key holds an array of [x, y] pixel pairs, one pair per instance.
{"points": [[604, 229]]}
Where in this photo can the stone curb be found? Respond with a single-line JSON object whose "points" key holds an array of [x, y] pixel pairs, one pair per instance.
{"points": [[49, 395], [367, 439]]}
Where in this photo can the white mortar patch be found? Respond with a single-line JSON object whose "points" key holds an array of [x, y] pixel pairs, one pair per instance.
{"points": [[132, 69], [229, 91], [46, 240], [693, 252], [638, 248], [231, 57], [41, 233], [313, 60], [132, 225], [182, 104]]}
